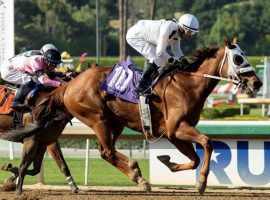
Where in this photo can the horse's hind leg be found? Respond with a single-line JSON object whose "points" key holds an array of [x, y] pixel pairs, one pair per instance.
{"points": [[9, 184], [8, 167], [121, 162], [188, 150], [127, 166], [55, 151]]}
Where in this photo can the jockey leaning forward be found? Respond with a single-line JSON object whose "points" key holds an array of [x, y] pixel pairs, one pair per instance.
{"points": [[30, 72], [151, 38], [43, 49]]}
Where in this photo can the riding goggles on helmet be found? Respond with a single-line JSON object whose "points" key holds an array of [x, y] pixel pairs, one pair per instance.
{"points": [[188, 30]]}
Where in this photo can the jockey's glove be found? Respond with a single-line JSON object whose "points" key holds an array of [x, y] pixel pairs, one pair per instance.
{"points": [[184, 61], [173, 61]]}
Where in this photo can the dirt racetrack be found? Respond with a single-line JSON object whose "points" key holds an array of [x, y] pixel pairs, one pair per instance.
{"points": [[131, 193]]}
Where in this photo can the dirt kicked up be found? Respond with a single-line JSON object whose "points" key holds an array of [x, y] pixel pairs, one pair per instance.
{"points": [[37, 192]]}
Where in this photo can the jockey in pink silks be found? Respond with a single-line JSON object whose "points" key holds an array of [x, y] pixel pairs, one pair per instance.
{"points": [[30, 72]]}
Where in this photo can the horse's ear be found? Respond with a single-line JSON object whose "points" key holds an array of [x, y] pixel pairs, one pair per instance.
{"points": [[235, 40], [228, 43]]}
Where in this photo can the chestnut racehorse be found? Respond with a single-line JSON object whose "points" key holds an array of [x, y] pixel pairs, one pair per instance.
{"points": [[176, 104]]}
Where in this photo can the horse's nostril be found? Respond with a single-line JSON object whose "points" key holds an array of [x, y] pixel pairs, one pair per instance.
{"points": [[257, 84]]}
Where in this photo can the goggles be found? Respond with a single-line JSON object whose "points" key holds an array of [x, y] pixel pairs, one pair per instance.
{"points": [[189, 31], [51, 64]]}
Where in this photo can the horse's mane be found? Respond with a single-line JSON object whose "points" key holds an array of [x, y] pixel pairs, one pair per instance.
{"points": [[50, 103], [200, 56]]}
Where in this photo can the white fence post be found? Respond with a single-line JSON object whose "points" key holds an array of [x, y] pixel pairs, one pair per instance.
{"points": [[11, 151], [86, 162]]}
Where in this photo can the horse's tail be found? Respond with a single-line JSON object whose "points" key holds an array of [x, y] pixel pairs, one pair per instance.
{"points": [[44, 115], [19, 134]]}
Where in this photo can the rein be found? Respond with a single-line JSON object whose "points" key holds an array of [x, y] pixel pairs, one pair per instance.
{"points": [[233, 72], [237, 82]]}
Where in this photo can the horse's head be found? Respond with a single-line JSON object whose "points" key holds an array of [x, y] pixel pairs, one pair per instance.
{"points": [[235, 65]]}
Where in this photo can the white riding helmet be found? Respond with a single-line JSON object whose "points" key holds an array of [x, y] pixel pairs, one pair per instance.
{"points": [[47, 47], [189, 23]]}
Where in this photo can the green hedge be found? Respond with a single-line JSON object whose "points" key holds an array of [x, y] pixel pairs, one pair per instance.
{"points": [[120, 144], [256, 60], [139, 61], [223, 111], [107, 61]]}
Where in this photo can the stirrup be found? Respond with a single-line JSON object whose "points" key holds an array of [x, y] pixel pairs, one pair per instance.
{"points": [[17, 105]]}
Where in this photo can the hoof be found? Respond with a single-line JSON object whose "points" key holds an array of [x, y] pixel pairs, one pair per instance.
{"points": [[80, 192], [201, 187], [76, 191], [8, 186], [144, 185], [6, 166], [164, 158], [18, 192]]}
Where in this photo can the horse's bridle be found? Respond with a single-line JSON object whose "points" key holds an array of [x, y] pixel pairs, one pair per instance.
{"points": [[238, 64]]}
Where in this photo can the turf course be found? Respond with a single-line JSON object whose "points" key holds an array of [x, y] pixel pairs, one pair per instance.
{"points": [[100, 172]]}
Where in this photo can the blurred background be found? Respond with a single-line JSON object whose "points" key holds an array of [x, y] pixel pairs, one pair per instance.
{"points": [[93, 31], [71, 24]]}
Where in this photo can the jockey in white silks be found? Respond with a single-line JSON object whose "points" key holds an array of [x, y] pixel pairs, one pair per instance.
{"points": [[30, 72], [151, 39]]}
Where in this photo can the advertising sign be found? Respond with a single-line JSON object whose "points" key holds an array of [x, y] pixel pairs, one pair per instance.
{"points": [[233, 163], [6, 29]]}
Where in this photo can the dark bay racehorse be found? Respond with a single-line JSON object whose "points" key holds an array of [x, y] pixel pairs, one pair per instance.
{"points": [[34, 147], [176, 104]]}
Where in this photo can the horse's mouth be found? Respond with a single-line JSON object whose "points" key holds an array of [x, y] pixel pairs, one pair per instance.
{"points": [[250, 91]]}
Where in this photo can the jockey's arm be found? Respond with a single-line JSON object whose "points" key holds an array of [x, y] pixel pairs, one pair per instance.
{"points": [[163, 43], [176, 50], [45, 80]]}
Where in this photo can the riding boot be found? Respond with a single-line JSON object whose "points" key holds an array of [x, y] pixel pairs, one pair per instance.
{"points": [[18, 102], [32, 94], [145, 80]]}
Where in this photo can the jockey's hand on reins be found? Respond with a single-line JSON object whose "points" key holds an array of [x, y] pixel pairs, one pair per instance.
{"points": [[173, 61], [184, 61]]}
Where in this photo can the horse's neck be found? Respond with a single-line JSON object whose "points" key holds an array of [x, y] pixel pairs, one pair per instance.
{"points": [[210, 67]]}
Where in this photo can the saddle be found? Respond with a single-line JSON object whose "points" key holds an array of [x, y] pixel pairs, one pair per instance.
{"points": [[124, 76], [7, 94]]}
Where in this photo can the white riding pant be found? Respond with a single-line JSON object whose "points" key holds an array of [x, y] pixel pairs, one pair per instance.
{"points": [[148, 50], [12, 75]]}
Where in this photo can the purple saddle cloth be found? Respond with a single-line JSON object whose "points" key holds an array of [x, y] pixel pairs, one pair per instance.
{"points": [[121, 82]]}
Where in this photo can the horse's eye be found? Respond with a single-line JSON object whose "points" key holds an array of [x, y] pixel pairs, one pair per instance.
{"points": [[237, 59]]}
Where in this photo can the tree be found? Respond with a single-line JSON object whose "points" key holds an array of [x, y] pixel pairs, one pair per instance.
{"points": [[123, 28]]}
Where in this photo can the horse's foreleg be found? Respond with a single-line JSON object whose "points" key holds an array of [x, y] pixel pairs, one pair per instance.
{"points": [[55, 151], [188, 133], [188, 150], [28, 155], [37, 161]]}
